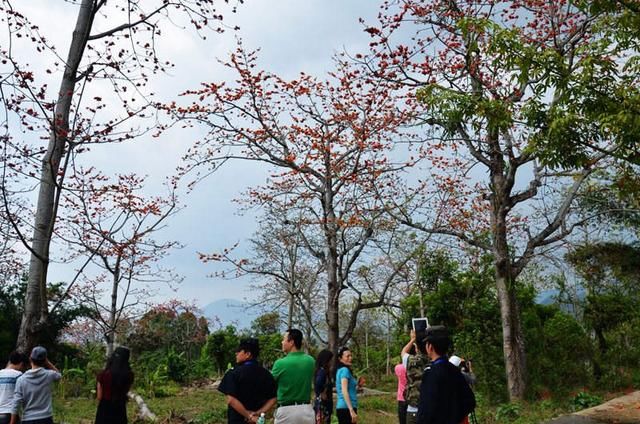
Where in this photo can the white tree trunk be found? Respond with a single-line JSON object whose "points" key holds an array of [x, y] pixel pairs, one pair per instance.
{"points": [[35, 307]]}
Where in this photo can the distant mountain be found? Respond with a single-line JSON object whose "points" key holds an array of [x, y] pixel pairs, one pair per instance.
{"points": [[230, 312], [550, 297], [547, 297]]}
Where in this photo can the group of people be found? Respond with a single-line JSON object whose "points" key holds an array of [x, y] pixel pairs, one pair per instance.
{"points": [[25, 388], [433, 388], [251, 390], [29, 389]]}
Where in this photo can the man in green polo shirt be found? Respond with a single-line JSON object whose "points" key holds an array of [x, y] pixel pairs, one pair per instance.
{"points": [[294, 374]]}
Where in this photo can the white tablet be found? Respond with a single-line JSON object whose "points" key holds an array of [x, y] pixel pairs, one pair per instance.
{"points": [[420, 324]]}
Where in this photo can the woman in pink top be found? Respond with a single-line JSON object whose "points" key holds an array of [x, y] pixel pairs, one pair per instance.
{"points": [[401, 373]]}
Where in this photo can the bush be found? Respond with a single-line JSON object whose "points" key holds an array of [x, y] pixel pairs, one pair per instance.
{"points": [[73, 383], [177, 367], [508, 412], [585, 400], [560, 352]]}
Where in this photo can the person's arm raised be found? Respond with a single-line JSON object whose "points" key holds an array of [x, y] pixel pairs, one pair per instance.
{"points": [[407, 347]]}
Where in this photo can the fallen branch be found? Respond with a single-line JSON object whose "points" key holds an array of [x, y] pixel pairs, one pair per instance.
{"points": [[144, 413]]}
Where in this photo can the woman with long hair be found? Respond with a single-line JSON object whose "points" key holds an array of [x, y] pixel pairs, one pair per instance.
{"points": [[113, 386], [323, 387], [346, 388]]}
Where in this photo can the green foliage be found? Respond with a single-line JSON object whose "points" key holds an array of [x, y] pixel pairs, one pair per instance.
{"points": [[268, 323], [599, 100], [11, 303], [11, 296], [202, 367], [508, 412], [151, 372], [611, 277], [168, 341], [614, 197], [585, 400], [220, 347], [73, 382], [270, 348], [466, 302], [560, 351], [177, 366]]}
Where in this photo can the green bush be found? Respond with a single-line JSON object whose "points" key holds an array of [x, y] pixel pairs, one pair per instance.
{"points": [[585, 400], [177, 367], [508, 412], [560, 352], [72, 383]]}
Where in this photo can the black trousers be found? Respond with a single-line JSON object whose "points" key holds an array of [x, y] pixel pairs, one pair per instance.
{"points": [[48, 420], [402, 412], [344, 416]]}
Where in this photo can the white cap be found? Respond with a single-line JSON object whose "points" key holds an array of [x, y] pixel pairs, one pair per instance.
{"points": [[455, 360]]}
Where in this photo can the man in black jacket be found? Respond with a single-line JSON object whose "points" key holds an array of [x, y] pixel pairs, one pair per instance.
{"points": [[445, 396], [250, 388]]}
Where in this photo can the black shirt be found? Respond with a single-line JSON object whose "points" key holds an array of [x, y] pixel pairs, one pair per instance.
{"points": [[251, 384], [445, 396]]}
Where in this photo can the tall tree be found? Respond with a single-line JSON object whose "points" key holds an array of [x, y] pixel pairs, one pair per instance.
{"points": [[327, 143], [497, 80], [281, 267], [112, 225], [113, 42]]}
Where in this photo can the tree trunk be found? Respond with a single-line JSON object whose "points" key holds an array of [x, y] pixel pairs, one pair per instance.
{"points": [[113, 311], [512, 336], [292, 297], [333, 301], [331, 253], [35, 306], [388, 345]]}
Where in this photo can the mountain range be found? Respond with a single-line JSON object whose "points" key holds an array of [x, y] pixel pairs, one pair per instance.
{"points": [[234, 312]]}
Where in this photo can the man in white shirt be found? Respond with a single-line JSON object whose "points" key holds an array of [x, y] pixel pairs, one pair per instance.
{"points": [[8, 377]]}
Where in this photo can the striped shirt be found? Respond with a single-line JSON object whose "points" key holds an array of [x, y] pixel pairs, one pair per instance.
{"points": [[8, 379]]}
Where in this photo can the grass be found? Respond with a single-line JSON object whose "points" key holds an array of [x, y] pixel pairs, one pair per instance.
{"points": [[205, 405]]}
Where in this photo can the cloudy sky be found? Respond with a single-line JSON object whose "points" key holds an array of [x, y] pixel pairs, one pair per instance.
{"points": [[294, 36]]}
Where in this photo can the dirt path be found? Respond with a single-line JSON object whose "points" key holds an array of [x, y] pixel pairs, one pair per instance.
{"points": [[621, 410]]}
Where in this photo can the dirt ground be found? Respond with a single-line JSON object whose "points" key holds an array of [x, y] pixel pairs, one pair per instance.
{"points": [[621, 410]]}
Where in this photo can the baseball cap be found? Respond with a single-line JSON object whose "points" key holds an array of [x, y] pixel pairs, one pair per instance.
{"points": [[38, 353], [436, 332]]}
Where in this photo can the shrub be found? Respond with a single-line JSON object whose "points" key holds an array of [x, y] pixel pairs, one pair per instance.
{"points": [[585, 400], [508, 412]]}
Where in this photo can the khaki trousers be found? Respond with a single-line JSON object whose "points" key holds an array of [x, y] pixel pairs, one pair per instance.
{"points": [[295, 414]]}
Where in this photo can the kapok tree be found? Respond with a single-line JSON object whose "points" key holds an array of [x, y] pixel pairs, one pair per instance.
{"points": [[113, 50], [111, 225], [282, 268], [327, 142], [497, 79]]}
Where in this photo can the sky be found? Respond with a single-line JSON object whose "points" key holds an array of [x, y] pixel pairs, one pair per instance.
{"points": [[293, 36]]}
